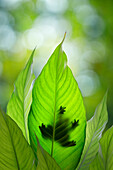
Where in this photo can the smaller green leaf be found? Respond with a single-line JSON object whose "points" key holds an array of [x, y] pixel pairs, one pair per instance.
{"points": [[20, 102], [104, 158], [96, 164], [94, 129], [45, 161], [15, 152]]}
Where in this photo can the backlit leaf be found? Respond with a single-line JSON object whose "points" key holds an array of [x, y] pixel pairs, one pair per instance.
{"points": [[57, 115], [104, 158], [15, 152], [94, 129], [19, 104]]}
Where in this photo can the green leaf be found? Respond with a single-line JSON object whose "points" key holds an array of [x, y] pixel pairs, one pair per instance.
{"points": [[19, 105], [94, 129], [104, 158], [15, 152], [96, 164], [57, 113], [45, 161]]}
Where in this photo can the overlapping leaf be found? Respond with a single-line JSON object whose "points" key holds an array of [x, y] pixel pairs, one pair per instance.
{"points": [[57, 113], [104, 158], [19, 104], [15, 152], [95, 127], [45, 161]]}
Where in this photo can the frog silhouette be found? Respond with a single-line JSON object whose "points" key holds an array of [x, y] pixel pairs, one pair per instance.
{"points": [[62, 130]]}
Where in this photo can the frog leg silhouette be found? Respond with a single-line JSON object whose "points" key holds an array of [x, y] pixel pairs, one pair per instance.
{"points": [[62, 110], [47, 132], [75, 124]]}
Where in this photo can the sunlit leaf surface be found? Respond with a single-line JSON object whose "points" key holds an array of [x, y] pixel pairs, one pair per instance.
{"points": [[104, 158], [15, 152], [57, 115], [19, 104], [95, 127]]}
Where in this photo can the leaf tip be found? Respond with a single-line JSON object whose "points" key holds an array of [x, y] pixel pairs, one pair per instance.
{"points": [[106, 95], [64, 37]]}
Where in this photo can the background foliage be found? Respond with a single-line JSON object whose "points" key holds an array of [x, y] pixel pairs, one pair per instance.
{"points": [[25, 24]]}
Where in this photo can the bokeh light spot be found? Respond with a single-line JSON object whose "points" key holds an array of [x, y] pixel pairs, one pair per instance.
{"points": [[7, 37], [88, 82]]}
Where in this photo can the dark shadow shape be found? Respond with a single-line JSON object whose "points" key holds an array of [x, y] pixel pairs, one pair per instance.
{"points": [[75, 123], [62, 110], [61, 130]]}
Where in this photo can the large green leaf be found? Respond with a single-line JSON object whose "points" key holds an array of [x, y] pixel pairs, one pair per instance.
{"points": [[94, 129], [15, 152], [19, 104], [45, 161], [104, 158], [60, 130]]}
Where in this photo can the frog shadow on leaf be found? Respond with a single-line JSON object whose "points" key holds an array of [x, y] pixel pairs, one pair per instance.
{"points": [[62, 129]]}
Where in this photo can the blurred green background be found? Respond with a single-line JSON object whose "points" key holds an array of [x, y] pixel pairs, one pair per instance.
{"points": [[25, 24]]}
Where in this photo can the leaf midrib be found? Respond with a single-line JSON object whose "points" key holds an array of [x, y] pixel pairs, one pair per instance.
{"points": [[106, 164], [12, 143], [89, 143], [55, 103], [24, 97], [25, 123]]}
